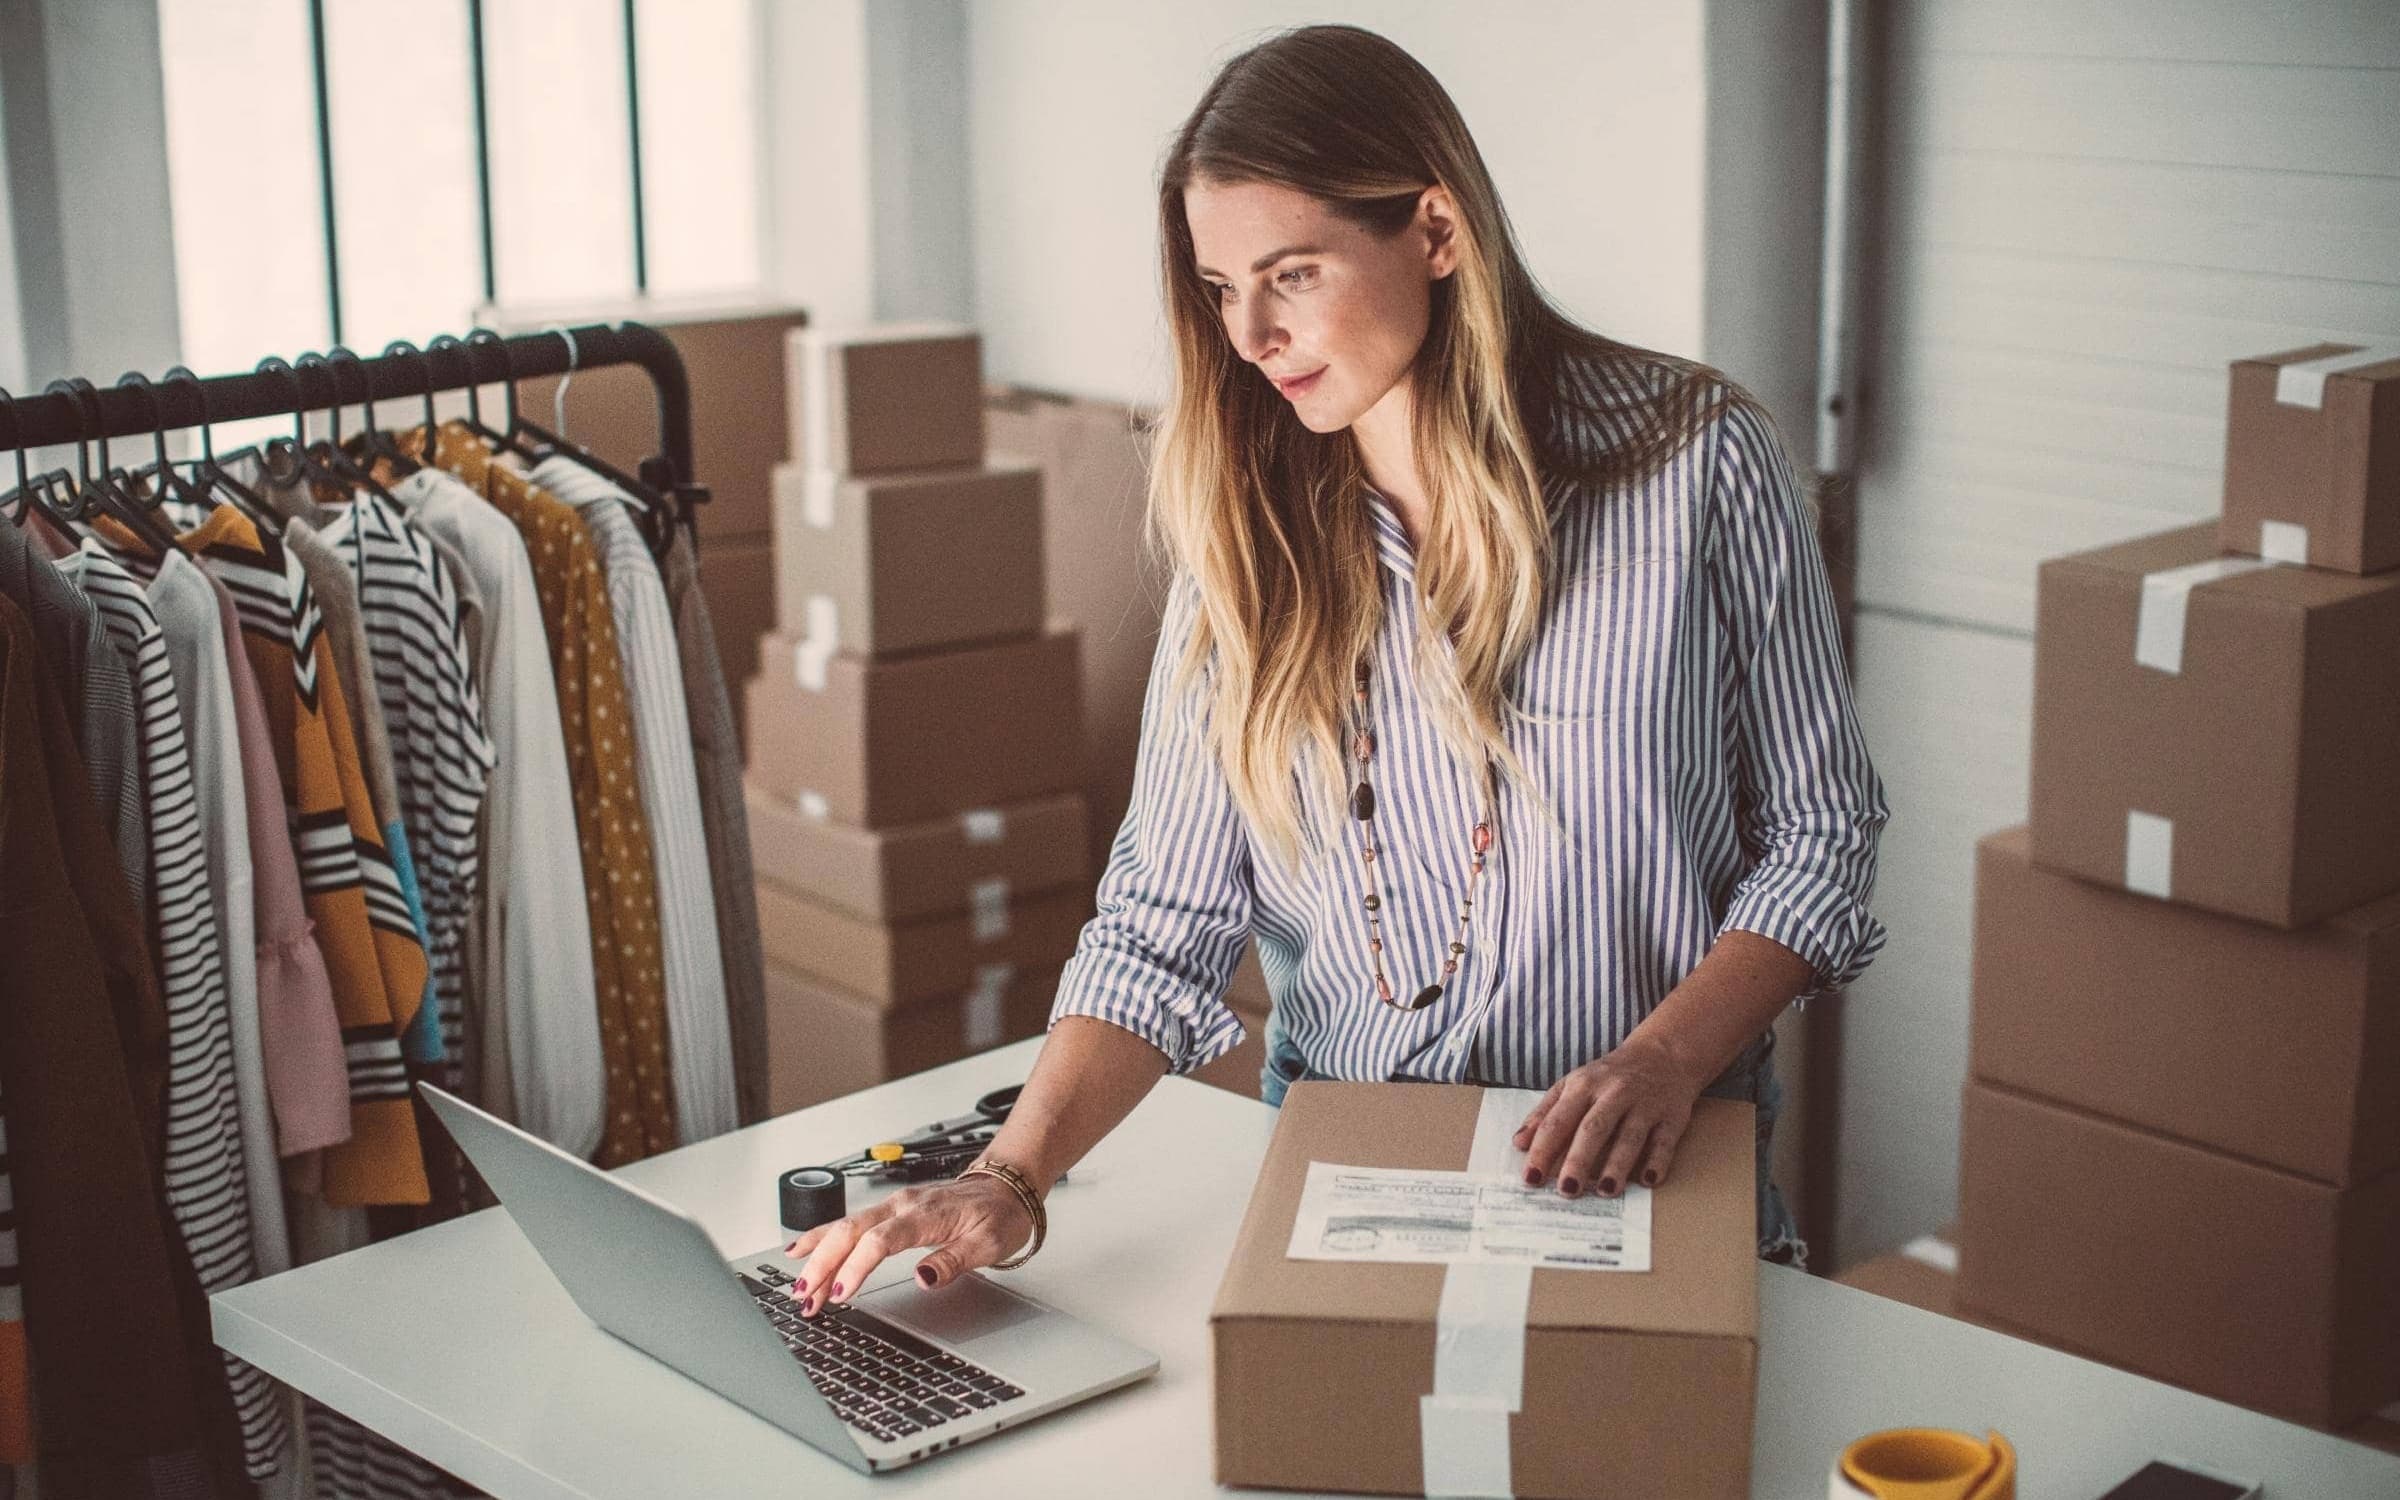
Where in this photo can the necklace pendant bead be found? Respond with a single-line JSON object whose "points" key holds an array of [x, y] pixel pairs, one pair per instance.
{"points": [[1374, 945], [1458, 947], [1368, 853], [1364, 746], [1483, 837], [1362, 802], [1449, 967], [1374, 902], [1426, 996], [1383, 987]]}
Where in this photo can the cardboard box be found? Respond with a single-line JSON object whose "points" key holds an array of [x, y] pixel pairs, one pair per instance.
{"points": [[2272, 1045], [824, 1042], [2237, 1280], [2379, 1431], [1095, 479], [921, 960], [2230, 744], [880, 564], [946, 867], [898, 396], [733, 357], [2312, 457], [881, 743], [1633, 1383]]}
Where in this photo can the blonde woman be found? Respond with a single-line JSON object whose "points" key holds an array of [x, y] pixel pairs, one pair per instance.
{"points": [[1498, 695]]}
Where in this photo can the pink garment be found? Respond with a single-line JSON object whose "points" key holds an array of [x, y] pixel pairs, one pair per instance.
{"points": [[308, 1076]]}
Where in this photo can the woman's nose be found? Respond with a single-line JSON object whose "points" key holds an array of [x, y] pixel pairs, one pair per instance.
{"points": [[1255, 335]]}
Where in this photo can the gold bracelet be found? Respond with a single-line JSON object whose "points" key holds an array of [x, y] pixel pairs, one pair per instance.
{"points": [[1016, 1183]]}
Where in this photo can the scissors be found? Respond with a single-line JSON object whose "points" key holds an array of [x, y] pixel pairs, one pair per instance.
{"points": [[941, 1149]]}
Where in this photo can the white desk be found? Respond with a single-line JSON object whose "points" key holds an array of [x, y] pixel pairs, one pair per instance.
{"points": [[455, 1342]]}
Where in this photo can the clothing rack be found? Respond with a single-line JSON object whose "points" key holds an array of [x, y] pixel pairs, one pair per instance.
{"points": [[130, 411]]}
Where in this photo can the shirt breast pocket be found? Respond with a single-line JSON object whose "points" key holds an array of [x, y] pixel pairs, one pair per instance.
{"points": [[1608, 640]]}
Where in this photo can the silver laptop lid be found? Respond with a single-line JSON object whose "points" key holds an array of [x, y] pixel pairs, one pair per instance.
{"points": [[647, 1272]]}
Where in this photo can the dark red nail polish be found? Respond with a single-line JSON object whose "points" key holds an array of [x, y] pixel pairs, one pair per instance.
{"points": [[836, 1293], [925, 1274], [1649, 1179], [1532, 1178], [1608, 1187], [1569, 1186]]}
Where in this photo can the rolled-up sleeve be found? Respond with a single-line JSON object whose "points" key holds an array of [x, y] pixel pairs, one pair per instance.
{"points": [[1810, 809], [1175, 901]]}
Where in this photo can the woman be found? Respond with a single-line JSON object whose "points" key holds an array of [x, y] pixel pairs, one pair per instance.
{"points": [[1498, 692]]}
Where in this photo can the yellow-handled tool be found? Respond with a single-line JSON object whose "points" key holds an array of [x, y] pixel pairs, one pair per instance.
{"points": [[1925, 1463]]}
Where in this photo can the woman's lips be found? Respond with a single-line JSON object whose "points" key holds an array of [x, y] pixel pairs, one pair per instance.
{"points": [[1302, 386]]}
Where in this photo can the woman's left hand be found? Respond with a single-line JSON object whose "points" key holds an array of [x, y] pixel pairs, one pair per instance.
{"points": [[1610, 1123]]}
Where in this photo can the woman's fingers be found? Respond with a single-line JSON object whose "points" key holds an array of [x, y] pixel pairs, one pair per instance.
{"points": [[1533, 1122], [1662, 1150], [1624, 1155], [1555, 1138], [1602, 1124]]}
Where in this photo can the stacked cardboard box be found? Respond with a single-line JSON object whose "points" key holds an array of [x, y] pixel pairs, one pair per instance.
{"points": [[2180, 1147], [915, 741]]}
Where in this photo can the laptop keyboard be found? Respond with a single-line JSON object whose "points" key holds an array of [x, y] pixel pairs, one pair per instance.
{"points": [[878, 1377]]}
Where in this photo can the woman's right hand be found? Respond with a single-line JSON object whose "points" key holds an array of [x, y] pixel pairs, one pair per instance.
{"points": [[970, 1222]]}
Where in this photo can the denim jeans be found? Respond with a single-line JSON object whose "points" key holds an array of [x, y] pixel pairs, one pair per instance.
{"points": [[1751, 1078]]}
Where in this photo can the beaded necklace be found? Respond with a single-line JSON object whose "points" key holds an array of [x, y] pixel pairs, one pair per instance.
{"points": [[1362, 807]]}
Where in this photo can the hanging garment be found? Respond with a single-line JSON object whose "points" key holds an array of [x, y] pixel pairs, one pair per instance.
{"points": [[206, 1181], [125, 1408], [594, 717], [441, 756], [699, 1047], [69, 634], [717, 752], [533, 1047], [300, 1038], [376, 986]]}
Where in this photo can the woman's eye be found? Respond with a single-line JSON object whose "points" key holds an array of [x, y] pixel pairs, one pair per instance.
{"points": [[1298, 276]]}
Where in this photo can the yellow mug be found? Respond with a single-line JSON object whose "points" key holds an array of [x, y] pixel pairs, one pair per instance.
{"points": [[1925, 1463]]}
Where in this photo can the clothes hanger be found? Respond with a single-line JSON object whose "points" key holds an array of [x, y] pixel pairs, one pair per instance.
{"points": [[399, 347], [505, 440], [33, 489], [344, 473], [159, 482], [99, 494], [656, 515], [209, 468], [374, 442]]}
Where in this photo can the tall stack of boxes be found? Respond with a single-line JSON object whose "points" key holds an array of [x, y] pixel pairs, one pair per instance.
{"points": [[2181, 1136], [916, 746]]}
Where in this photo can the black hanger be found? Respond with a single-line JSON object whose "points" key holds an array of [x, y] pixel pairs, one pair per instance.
{"points": [[373, 442], [210, 469], [163, 482], [99, 493], [398, 347], [506, 439], [34, 489], [331, 461], [657, 513]]}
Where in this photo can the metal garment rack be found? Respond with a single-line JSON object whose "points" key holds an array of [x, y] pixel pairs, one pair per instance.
{"points": [[57, 419]]}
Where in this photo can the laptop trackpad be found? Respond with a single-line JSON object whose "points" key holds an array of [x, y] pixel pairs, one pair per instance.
{"points": [[959, 1313]]}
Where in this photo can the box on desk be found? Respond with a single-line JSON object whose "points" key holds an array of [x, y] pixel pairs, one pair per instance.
{"points": [[921, 960], [942, 867], [1323, 1367], [893, 396], [824, 1041], [2275, 1045], [880, 743], [880, 564], [2312, 457], [2217, 731], [2230, 1278]]}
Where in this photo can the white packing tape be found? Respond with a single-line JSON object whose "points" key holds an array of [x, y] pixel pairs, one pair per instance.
{"points": [[820, 491], [1934, 1251], [1479, 1338], [2149, 854], [2166, 597], [813, 805], [814, 650], [2303, 384], [2283, 542], [816, 402], [987, 900], [984, 1020], [983, 825]]}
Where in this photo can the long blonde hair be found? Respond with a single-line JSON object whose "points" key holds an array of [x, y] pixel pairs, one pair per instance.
{"points": [[1270, 520]]}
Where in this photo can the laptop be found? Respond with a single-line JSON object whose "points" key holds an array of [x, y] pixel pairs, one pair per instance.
{"points": [[897, 1375]]}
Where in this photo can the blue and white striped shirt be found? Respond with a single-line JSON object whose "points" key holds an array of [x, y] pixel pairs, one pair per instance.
{"points": [[1711, 776]]}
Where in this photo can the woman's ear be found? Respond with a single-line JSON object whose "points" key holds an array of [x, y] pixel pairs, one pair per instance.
{"points": [[1437, 221]]}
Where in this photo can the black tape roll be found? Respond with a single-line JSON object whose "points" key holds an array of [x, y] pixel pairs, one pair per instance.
{"points": [[809, 1196]]}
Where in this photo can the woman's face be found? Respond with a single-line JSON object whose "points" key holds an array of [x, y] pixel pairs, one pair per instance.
{"points": [[1328, 312]]}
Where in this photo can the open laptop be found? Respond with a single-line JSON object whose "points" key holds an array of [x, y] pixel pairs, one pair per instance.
{"points": [[897, 1375]]}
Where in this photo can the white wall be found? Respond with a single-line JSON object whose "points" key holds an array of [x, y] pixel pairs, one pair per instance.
{"points": [[1589, 117], [2091, 210], [12, 319]]}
